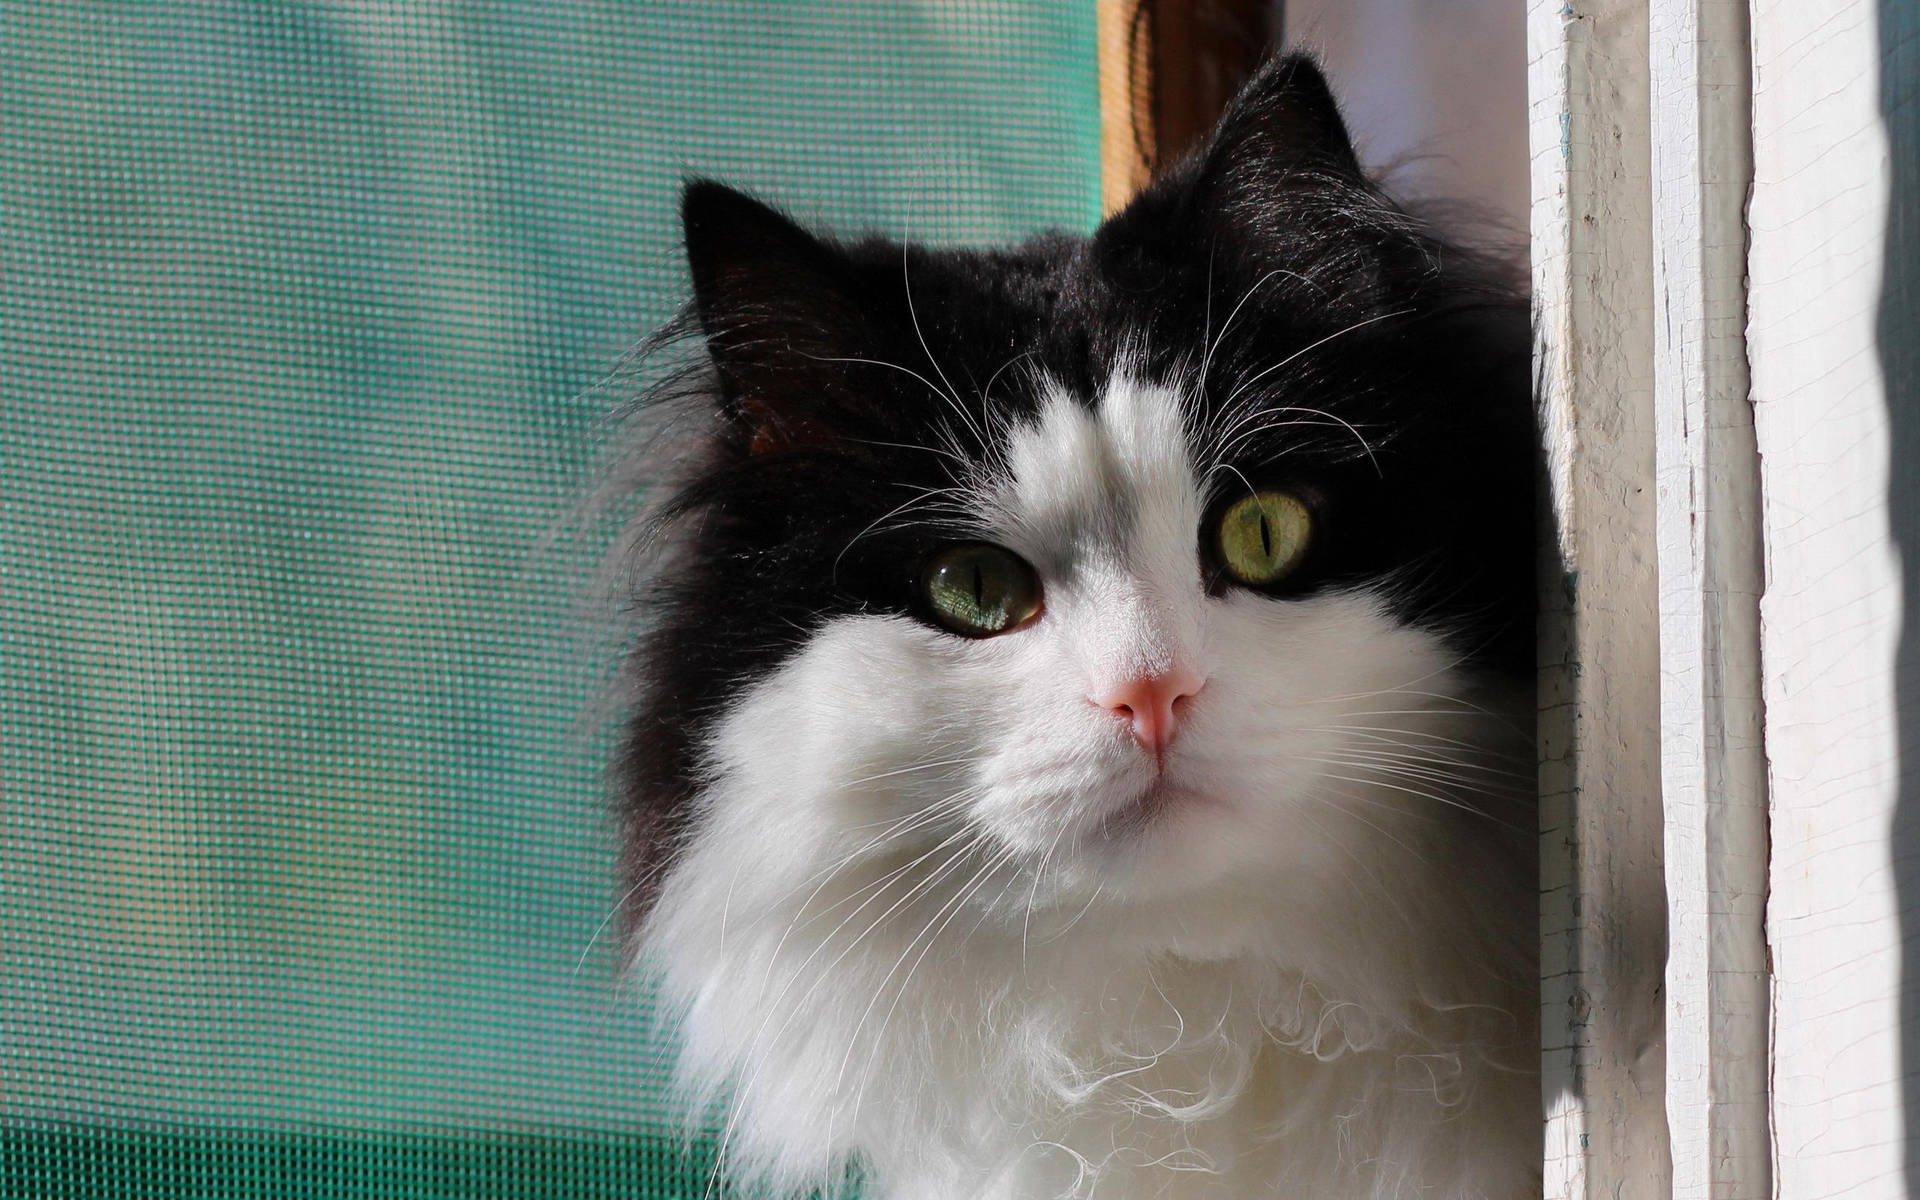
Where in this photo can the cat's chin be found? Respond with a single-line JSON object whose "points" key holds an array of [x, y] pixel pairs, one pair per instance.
{"points": [[1163, 840], [1158, 810]]}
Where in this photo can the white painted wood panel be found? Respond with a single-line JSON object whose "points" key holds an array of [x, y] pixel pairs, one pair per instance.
{"points": [[1713, 765], [1831, 612], [1602, 908]]}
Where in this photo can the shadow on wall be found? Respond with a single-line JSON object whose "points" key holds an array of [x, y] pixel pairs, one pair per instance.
{"points": [[1899, 342]]}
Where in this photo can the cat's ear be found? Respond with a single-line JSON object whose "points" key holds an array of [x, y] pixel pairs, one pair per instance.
{"points": [[1278, 164], [1276, 184], [1280, 136], [777, 307]]}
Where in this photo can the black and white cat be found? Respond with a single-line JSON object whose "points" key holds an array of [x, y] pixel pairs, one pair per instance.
{"points": [[1083, 744]]}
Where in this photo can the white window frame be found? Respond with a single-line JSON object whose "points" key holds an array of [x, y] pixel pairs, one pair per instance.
{"points": [[1603, 920], [1721, 927]]}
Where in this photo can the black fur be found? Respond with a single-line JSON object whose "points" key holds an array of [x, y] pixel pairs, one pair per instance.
{"points": [[1405, 373]]}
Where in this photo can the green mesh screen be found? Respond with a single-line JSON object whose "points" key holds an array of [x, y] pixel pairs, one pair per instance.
{"points": [[305, 311]]}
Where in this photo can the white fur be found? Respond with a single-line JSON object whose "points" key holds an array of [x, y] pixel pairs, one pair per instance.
{"points": [[923, 923]]}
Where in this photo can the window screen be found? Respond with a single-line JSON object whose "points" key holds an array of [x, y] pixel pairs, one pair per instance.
{"points": [[306, 315]]}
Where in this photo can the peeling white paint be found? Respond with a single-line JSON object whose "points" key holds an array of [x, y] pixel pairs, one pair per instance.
{"points": [[1831, 613], [1713, 766]]}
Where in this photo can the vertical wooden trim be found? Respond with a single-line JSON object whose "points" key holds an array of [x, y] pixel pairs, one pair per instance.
{"points": [[1126, 123], [1713, 763], [1202, 51], [1167, 70], [1603, 915]]}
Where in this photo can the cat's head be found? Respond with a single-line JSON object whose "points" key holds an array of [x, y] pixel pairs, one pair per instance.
{"points": [[1140, 564]]}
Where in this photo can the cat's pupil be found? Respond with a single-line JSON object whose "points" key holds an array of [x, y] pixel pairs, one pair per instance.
{"points": [[978, 590], [1266, 537]]}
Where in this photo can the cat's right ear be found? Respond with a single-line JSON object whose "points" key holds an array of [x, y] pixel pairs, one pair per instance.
{"points": [[776, 306]]}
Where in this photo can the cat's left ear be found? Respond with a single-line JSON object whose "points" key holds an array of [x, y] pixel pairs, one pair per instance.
{"points": [[1277, 183], [1279, 137]]}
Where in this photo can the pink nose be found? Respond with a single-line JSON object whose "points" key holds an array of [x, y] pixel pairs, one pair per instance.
{"points": [[1152, 703]]}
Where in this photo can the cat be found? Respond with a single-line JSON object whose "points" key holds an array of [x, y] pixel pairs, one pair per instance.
{"points": [[1082, 742]]}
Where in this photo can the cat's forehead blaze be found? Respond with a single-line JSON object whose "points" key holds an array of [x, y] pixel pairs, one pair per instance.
{"points": [[1112, 478]]}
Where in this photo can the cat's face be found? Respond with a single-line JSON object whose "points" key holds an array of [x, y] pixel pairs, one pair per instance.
{"points": [[1152, 726], [1134, 567]]}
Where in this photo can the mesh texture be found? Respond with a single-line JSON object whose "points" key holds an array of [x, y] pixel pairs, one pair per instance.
{"points": [[306, 312]]}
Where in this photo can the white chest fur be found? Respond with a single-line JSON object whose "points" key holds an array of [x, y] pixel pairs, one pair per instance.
{"points": [[961, 1062]]}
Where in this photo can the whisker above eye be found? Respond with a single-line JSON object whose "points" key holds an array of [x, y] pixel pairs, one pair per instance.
{"points": [[1329, 419], [942, 451], [987, 391], [1227, 404], [1226, 451], [925, 495], [949, 398], [906, 282], [1207, 358]]}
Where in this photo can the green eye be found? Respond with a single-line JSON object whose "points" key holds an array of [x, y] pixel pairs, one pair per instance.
{"points": [[1263, 537], [978, 590]]}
